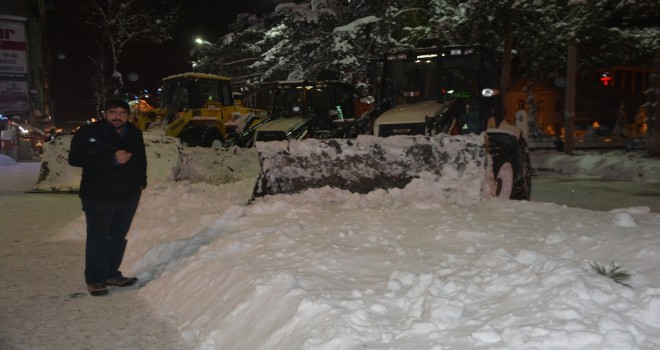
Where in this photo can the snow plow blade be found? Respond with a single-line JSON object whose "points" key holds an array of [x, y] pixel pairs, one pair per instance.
{"points": [[369, 163], [56, 175]]}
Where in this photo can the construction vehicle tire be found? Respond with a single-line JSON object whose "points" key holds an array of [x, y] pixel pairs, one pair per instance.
{"points": [[510, 171], [211, 135], [522, 190], [504, 180], [191, 135]]}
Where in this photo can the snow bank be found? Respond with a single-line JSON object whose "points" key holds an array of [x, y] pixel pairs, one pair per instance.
{"points": [[329, 269], [616, 165], [218, 165], [310, 271], [6, 160], [57, 175]]}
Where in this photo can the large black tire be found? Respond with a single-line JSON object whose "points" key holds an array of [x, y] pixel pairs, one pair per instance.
{"points": [[523, 187], [210, 135], [191, 135], [511, 166]]}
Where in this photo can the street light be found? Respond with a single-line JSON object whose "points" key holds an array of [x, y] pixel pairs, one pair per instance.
{"points": [[196, 51], [201, 41]]}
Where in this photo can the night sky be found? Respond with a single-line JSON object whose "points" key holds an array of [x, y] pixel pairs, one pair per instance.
{"points": [[70, 50]]}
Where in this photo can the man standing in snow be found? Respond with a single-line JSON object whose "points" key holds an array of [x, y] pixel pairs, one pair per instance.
{"points": [[114, 172]]}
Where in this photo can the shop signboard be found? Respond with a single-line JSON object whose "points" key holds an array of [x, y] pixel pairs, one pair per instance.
{"points": [[13, 58], [13, 67], [13, 94]]}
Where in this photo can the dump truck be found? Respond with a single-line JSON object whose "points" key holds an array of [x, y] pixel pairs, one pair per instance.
{"points": [[441, 110], [202, 110], [312, 109]]}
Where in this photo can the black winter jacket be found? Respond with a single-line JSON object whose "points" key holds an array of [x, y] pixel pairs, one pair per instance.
{"points": [[102, 177]]}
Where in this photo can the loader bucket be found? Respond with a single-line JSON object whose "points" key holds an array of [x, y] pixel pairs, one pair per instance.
{"points": [[367, 163], [56, 175]]}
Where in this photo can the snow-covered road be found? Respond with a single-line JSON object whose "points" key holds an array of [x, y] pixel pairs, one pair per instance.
{"points": [[595, 193], [43, 304]]}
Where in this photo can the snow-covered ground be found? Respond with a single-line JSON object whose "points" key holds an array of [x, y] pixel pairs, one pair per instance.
{"points": [[327, 269]]}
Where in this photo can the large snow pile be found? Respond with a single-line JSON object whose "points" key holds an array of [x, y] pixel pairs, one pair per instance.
{"points": [[610, 164], [56, 174], [396, 269], [218, 165], [6, 160], [329, 269]]}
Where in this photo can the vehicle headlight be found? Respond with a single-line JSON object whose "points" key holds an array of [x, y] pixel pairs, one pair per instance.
{"points": [[489, 92]]}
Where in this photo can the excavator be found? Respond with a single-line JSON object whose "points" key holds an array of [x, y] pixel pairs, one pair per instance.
{"points": [[441, 109]]}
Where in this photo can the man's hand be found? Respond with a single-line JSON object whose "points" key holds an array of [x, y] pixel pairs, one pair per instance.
{"points": [[122, 156]]}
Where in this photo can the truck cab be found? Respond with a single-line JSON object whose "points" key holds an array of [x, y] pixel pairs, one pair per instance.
{"points": [[438, 89], [312, 109], [454, 89]]}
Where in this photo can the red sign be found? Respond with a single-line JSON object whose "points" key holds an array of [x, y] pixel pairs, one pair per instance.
{"points": [[605, 79], [12, 47]]}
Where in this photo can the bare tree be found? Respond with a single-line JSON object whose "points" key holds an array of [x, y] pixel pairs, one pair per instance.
{"points": [[98, 84], [117, 23]]}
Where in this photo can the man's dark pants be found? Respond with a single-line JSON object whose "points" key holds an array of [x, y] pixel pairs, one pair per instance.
{"points": [[107, 226]]}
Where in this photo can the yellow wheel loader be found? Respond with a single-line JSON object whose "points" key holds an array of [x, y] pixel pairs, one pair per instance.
{"points": [[442, 119], [201, 110]]}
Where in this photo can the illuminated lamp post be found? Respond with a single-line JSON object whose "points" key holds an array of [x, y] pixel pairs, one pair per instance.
{"points": [[195, 51]]}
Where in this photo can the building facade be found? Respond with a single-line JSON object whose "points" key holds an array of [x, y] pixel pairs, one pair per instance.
{"points": [[604, 98], [24, 96]]}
